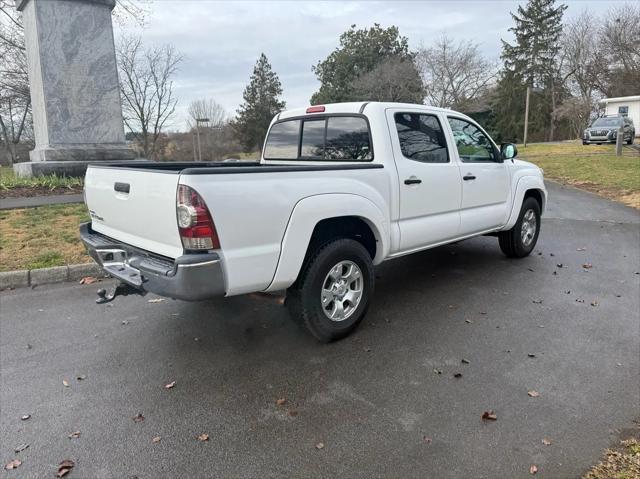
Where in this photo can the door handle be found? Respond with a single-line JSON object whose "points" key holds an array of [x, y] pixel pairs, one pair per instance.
{"points": [[121, 187], [412, 180], [468, 177]]}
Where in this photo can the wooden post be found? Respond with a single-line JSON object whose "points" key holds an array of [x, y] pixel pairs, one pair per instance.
{"points": [[526, 116], [619, 140]]}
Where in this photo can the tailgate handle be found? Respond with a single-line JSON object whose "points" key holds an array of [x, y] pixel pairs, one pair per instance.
{"points": [[121, 187]]}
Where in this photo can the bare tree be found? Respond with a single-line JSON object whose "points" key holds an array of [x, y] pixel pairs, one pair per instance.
{"points": [[206, 120], [394, 79], [454, 74], [147, 90], [15, 102]]}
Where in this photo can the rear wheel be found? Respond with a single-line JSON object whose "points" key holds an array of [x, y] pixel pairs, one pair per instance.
{"points": [[332, 294], [520, 240]]}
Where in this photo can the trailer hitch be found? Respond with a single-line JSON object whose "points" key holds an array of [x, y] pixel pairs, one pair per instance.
{"points": [[121, 289]]}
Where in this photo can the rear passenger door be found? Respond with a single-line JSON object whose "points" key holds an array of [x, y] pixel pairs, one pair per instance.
{"points": [[486, 193], [429, 179]]}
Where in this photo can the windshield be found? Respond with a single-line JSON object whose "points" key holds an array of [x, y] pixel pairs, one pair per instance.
{"points": [[607, 122]]}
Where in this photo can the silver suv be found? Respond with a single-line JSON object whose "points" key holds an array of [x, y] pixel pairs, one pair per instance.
{"points": [[605, 130]]}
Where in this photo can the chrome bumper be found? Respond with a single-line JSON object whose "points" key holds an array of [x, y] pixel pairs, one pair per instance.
{"points": [[192, 277]]}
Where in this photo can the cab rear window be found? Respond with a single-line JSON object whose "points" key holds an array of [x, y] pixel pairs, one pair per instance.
{"points": [[331, 138]]}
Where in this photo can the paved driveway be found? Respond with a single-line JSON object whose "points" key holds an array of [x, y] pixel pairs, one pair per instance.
{"points": [[384, 402]]}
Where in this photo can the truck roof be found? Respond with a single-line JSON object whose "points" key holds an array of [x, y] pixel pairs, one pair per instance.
{"points": [[355, 107]]}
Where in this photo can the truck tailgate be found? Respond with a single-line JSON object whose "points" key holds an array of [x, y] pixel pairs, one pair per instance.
{"points": [[137, 207]]}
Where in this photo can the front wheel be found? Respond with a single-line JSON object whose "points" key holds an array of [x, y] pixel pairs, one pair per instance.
{"points": [[520, 240], [332, 293]]}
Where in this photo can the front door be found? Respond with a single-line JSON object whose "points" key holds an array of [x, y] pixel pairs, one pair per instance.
{"points": [[429, 179], [485, 178]]}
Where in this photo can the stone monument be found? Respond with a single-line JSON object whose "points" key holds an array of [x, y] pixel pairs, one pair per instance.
{"points": [[73, 77]]}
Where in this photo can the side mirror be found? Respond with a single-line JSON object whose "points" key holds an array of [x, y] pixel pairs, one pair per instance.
{"points": [[508, 151]]}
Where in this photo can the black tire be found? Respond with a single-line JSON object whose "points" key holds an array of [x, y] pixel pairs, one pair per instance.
{"points": [[304, 297], [511, 241], [630, 140], [584, 143]]}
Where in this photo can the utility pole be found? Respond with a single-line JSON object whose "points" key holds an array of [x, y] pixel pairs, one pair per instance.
{"points": [[526, 115], [193, 138], [619, 140]]}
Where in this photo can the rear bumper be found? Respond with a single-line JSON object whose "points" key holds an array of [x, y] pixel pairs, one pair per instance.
{"points": [[192, 277]]}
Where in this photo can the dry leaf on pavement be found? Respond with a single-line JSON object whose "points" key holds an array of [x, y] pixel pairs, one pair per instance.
{"points": [[546, 442], [171, 385], [587, 266], [88, 280], [457, 375], [65, 383], [465, 361], [21, 447], [490, 415], [156, 439], [74, 435], [25, 417], [281, 402], [64, 467], [138, 417], [13, 464], [533, 394], [320, 445], [533, 469], [82, 377], [203, 437]]}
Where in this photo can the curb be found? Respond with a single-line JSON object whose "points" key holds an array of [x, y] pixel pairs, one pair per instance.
{"points": [[58, 274]]}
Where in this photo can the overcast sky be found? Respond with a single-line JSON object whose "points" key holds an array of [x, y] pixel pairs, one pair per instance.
{"points": [[222, 40]]}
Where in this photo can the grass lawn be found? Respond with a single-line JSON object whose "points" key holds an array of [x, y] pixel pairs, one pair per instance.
{"points": [[592, 167], [41, 237]]}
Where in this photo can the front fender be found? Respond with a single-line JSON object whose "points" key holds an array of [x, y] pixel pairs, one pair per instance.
{"points": [[525, 184], [307, 213]]}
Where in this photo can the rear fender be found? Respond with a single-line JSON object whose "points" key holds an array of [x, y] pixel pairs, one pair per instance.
{"points": [[307, 213]]}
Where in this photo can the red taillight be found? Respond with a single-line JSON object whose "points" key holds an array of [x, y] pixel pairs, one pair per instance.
{"points": [[197, 230], [315, 109]]}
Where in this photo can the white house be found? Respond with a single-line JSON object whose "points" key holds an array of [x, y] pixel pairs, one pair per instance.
{"points": [[624, 106]]}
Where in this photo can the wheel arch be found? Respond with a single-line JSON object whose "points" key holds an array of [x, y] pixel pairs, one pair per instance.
{"points": [[527, 186], [319, 218]]}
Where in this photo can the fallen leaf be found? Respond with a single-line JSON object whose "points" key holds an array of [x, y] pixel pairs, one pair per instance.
{"points": [[281, 401], [567, 292], [533, 469], [196, 339], [587, 266], [74, 435], [65, 467], [490, 415], [437, 371], [203, 437], [579, 300], [594, 303], [13, 464], [581, 249], [468, 321], [25, 417], [82, 377], [483, 312], [138, 417], [65, 383], [546, 442], [367, 349], [156, 300], [537, 301], [531, 355], [21, 447], [88, 280], [426, 439], [533, 394], [292, 412], [320, 445], [560, 265], [532, 270], [125, 322], [29, 346], [171, 385], [156, 439], [457, 375], [465, 361], [551, 254]]}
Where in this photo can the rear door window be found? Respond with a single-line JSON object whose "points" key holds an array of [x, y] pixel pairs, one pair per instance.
{"points": [[421, 138], [331, 138]]}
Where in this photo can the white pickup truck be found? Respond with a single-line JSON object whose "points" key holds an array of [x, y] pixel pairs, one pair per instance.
{"points": [[339, 188]]}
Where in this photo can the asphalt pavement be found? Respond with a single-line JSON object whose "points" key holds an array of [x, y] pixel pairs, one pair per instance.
{"points": [[382, 403]]}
